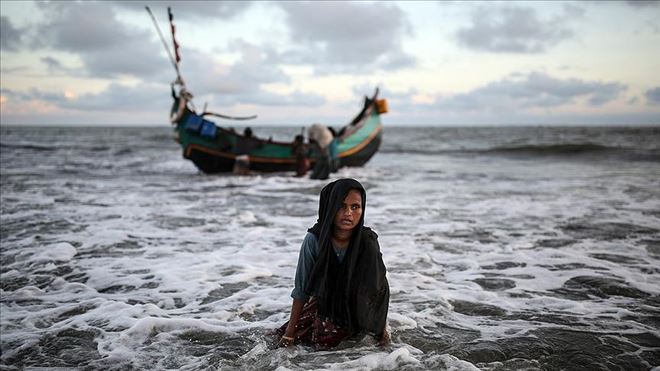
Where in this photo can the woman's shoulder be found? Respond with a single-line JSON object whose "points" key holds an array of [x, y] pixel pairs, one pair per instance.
{"points": [[369, 233], [310, 238], [370, 238], [309, 241], [309, 245]]}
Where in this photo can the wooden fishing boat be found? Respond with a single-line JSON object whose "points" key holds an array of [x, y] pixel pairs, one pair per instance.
{"points": [[214, 149]]}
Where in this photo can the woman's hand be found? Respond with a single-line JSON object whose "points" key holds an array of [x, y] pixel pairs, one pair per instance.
{"points": [[286, 341], [289, 337]]}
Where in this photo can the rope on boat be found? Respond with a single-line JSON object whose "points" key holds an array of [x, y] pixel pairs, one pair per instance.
{"points": [[167, 49]]}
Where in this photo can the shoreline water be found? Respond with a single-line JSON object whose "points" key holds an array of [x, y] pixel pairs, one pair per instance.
{"points": [[117, 253]]}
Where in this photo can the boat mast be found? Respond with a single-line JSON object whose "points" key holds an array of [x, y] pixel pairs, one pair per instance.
{"points": [[175, 63]]}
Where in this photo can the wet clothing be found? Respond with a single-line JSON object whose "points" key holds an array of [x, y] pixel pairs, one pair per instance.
{"points": [[322, 166], [321, 137], [242, 165], [300, 153], [309, 251], [245, 145], [348, 295], [314, 330], [333, 151]]}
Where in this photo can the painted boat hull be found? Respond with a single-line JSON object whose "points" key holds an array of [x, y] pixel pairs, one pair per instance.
{"points": [[217, 153]]}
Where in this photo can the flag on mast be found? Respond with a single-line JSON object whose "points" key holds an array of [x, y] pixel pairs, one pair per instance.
{"points": [[173, 29]]}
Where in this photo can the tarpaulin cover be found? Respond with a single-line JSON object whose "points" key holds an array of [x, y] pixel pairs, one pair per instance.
{"points": [[208, 129], [193, 123]]}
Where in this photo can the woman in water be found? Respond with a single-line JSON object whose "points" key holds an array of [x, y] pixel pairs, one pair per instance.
{"points": [[340, 285]]}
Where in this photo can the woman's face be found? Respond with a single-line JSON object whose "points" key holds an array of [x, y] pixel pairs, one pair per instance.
{"points": [[350, 211]]}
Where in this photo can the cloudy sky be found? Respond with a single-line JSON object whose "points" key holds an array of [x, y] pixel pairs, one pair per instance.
{"points": [[293, 63]]}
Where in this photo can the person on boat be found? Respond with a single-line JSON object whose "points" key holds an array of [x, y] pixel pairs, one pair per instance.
{"points": [[341, 288], [333, 151], [321, 168], [244, 145], [299, 150], [320, 138], [247, 132]]}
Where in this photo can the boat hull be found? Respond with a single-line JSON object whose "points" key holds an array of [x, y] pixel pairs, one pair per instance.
{"points": [[211, 161], [214, 151]]}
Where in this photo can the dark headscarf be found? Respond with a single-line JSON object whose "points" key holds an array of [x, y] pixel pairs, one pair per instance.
{"points": [[355, 292]]}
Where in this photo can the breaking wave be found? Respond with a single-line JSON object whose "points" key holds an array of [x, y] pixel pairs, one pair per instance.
{"points": [[536, 150]]}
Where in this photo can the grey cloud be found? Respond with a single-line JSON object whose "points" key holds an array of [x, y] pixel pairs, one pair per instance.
{"points": [[10, 36], [253, 69], [121, 98], [13, 70], [643, 3], [54, 65], [402, 97], [226, 85], [347, 36], [573, 11], [516, 29], [141, 63], [297, 98], [243, 81], [80, 27], [256, 65], [195, 10], [397, 61], [107, 47], [115, 97], [653, 96], [603, 92], [533, 90], [33, 94]]}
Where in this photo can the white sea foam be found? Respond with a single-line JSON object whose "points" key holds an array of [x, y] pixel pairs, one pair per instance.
{"points": [[478, 247], [391, 361]]}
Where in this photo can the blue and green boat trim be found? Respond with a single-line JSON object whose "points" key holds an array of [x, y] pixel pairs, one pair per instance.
{"points": [[212, 148]]}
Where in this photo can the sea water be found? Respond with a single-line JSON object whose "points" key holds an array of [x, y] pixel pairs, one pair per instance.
{"points": [[506, 249]]}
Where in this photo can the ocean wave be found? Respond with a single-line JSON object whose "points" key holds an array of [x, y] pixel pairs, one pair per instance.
{"points": [[569, 148], [35, 147], [557, 149], [160, 138], [537, 150], [54, 147]]}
